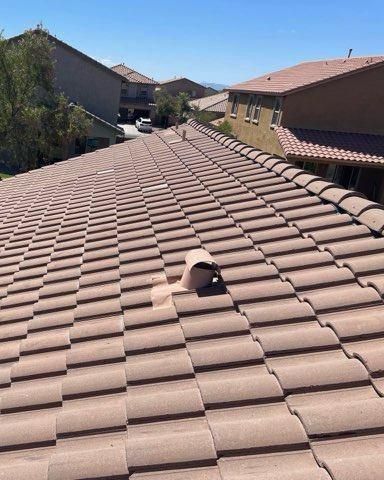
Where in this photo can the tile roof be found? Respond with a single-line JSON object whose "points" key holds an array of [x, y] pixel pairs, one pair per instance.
{"points": [[304, 75], [276, 372], [354, 148], [131, 75], [214, 103], [177, 79]]}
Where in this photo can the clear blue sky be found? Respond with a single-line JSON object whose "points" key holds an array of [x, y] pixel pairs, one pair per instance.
{"points": [[222, 41]]}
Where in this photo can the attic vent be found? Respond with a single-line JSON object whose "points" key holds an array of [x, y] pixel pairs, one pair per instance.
{"points": [[101, 172], [160, 186], [199, 270]]}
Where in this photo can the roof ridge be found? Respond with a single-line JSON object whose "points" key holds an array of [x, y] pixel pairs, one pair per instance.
{"points": [[364, 211]]}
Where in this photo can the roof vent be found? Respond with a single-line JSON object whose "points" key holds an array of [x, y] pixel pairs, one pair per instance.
{"points": [[268, 78], [199, 271]]}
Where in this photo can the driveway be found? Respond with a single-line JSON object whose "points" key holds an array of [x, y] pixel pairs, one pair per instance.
{"points": [[130, 131]]}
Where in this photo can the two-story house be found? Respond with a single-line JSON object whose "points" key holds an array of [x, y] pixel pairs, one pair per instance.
{"points": [[177, 85], [137, 94], [91, 85], [325, 115]]}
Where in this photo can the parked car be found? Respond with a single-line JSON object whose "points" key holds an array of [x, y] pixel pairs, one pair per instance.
{"points": [[144, 124]]}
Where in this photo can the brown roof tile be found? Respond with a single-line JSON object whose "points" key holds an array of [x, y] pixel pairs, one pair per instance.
{"points": [[354, 148], [306, 74], [97, 379], [133, 76]]}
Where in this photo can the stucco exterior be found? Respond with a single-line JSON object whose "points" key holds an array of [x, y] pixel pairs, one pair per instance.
{"points": [[260, 135], [350, 104], [133, 104], [95, 87], [178, 85]]}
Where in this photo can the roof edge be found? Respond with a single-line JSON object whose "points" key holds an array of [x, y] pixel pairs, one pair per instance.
{"points": [[283, 93], [74, 50], [364, 211]]}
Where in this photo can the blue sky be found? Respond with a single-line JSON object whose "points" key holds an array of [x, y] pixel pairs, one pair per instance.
{"points": [[222, 41]]}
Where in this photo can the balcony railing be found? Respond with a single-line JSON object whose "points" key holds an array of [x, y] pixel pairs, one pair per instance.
{"points": [[127, 99]]}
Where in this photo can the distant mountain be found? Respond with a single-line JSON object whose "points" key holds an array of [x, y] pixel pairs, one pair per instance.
{"points": [[216, 86]]}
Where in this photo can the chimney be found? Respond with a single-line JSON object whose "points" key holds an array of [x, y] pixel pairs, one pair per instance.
{"points": [[200, 269], [184, 135]]}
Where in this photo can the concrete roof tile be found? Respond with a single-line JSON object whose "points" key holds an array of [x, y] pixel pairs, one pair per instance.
{"points": [[87, 351]]}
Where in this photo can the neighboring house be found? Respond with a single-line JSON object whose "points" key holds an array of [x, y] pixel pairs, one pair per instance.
{"points": [[113, 369], [214, 104], [177, 85], [93, 86], [137, 94], [329, 116]]}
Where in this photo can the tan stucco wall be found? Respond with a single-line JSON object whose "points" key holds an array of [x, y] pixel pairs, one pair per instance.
{"points": [[94, 88], [259, 135], [184, 85], [351, 104]]}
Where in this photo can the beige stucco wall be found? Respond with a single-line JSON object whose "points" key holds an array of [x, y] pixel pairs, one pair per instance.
{"points": [[93, 87], [351, 104], [184, 85], [260, 135]]}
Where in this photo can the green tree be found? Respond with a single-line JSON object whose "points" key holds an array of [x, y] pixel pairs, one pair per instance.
{"points": [[165, 106], [202, 115], [35, 122], [225, 127], [183, 107]]}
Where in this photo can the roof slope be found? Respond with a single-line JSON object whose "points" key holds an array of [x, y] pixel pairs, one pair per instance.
{"points": [[73, 50], [275, 374], [178, 79], [214, 103], [306, 74], [133, 76], [353, 148]]}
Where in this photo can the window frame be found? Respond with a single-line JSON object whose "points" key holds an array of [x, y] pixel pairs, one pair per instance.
{"points": [[235, 105], [276, 112], [257, 109], [249, 109]]}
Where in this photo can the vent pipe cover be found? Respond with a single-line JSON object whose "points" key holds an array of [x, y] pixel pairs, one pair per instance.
{"points": [[199, 270]]}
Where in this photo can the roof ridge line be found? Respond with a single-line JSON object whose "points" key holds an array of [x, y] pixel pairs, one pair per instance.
{"points": [[364, 211]]}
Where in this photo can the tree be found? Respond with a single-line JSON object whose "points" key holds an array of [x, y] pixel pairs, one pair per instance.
{"points": [[183, 107], [225, 127], [202, 115], [35, 122], [165, 106]]}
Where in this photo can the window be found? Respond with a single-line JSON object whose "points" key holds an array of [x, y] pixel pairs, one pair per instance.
{"points": [[235, 105], [250, 106], [347, 176], [143, 93], [276, 113], [257, 109]]}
